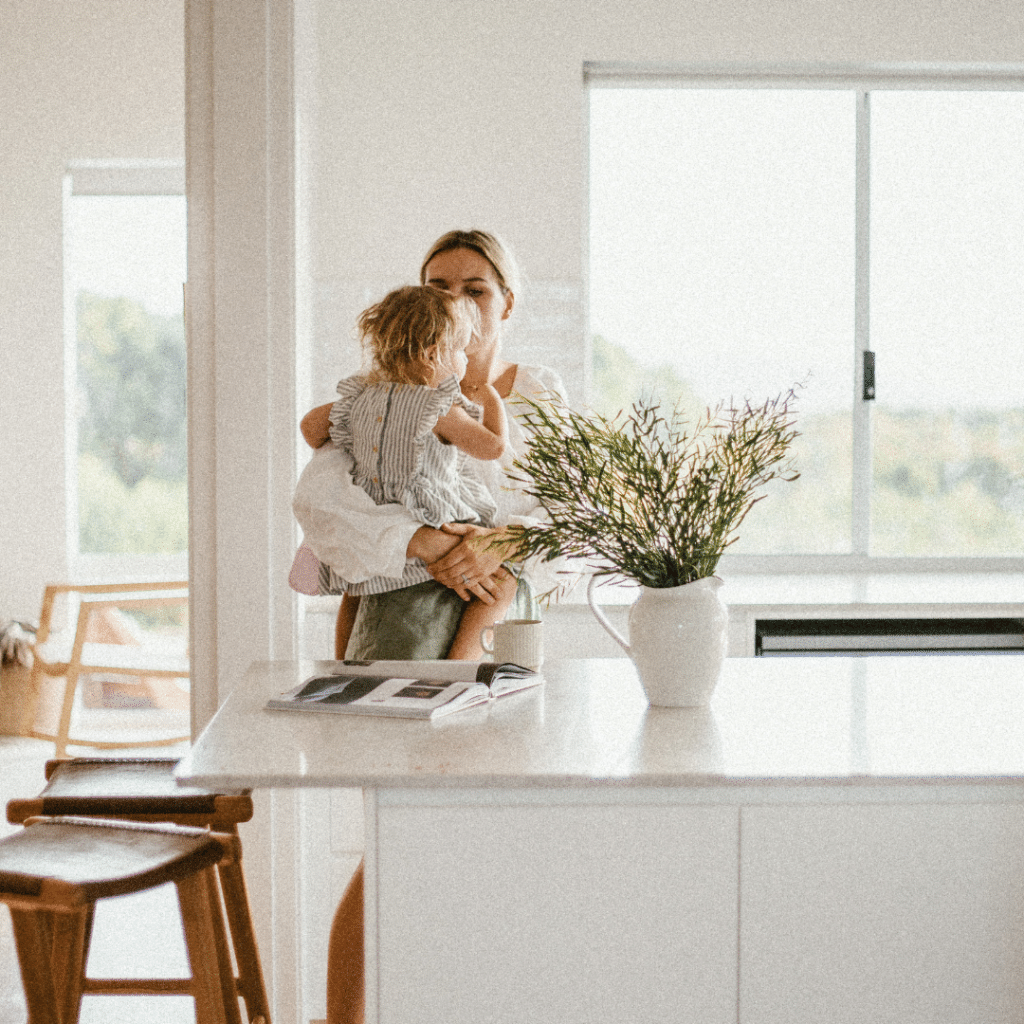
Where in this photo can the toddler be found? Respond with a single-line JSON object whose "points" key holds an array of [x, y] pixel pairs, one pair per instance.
{"points": [[409, 430]]}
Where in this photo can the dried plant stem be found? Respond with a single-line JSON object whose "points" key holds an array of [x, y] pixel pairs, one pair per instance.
{"points": [[648, 497]]}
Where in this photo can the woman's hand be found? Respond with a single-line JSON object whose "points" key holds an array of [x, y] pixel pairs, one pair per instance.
{"points": [[470, 567]]}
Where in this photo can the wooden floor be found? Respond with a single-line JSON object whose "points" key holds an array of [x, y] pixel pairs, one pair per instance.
{"points": [[143, 931]]}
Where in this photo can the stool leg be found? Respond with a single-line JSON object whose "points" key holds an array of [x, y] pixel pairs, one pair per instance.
{"points": [[250, 973], [229, 989], [31, 936], [212, 977], [69, 952]]}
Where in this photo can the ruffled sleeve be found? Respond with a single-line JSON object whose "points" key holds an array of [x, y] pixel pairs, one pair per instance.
{"points": [[349, 389]]}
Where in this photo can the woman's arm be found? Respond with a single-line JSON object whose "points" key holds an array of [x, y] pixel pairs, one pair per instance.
{"points": [[465, 574], [429, 544], [343, 525], [360, 539], [472, 564]]}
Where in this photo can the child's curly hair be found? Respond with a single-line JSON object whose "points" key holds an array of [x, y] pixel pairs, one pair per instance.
{"points": [[411, 329]]}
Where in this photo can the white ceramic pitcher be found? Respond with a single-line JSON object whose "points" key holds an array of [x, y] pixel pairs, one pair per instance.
{"points": [[677, 640]]}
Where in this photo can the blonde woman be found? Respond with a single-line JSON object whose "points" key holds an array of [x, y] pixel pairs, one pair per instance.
{"points": [[359, 540]]}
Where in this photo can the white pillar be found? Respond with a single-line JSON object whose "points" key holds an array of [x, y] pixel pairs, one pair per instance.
{"points": [[240, 182]]}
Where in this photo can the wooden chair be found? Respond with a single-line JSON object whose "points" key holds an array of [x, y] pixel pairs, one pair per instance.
{"points": [[53, 872], [68, 654], [144, 790]]}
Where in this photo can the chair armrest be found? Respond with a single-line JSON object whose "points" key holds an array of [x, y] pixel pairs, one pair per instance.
{"points": [[51, 590]]}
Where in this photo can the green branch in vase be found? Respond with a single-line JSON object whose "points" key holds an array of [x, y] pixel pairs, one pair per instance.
{"points": [[648, 496]]}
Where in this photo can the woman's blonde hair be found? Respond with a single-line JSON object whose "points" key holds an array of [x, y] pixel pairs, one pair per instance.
{"points": [[489, 246], [412, 328]]}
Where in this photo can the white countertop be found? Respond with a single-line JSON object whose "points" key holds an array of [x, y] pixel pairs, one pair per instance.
{"points": [[852, 721]]}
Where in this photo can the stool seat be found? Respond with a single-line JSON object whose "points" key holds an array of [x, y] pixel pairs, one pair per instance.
{"points": [[54, 871], [135, 789], [98, 859]]}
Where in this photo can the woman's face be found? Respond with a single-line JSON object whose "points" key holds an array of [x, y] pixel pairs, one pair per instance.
{"points": [[466, 272]]}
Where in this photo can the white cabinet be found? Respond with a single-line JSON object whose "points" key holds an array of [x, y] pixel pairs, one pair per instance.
{"points": [[633, 908], [576, 914], [907, 913], [835, 840]]}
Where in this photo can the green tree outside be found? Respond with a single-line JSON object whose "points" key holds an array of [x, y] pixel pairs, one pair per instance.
{"points": [[132, 438], [945, 482]]}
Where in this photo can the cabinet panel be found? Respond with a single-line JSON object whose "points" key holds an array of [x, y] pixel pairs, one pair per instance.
{"points": [[896, 913], [576, 914]]}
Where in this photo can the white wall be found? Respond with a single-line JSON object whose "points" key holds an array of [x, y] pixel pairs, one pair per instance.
{"points": [[456, 113], [432, 114], [78, 79]]}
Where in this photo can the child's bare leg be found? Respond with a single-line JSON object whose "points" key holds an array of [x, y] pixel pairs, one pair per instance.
{"points": [[477, 617], [343, 624]]}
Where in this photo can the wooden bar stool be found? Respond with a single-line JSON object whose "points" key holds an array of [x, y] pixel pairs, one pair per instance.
{"points": [[53, 872], [144, 790]]}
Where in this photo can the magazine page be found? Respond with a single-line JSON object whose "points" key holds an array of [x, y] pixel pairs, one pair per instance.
{"points": [[393, 695], [506, 677], [466, 671], [501, 678]]}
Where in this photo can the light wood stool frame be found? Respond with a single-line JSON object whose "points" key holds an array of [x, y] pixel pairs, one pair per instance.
{"points": [[218, 812], [109, 659], [52, 916]]}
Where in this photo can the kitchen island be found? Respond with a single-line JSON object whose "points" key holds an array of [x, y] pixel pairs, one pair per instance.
{"points": [[835, 839]]}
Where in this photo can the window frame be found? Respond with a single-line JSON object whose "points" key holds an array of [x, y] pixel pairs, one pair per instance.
{"points": [[114, 177], [861, 81]]}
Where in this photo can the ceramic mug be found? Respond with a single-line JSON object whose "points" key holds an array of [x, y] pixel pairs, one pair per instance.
{"points": [[519, 641]]}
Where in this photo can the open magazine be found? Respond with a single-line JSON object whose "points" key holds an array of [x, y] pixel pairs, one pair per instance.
{"points": [[404, 689]]}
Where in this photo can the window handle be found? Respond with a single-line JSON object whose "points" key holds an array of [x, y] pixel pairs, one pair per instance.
{"points": [[869, 376]]}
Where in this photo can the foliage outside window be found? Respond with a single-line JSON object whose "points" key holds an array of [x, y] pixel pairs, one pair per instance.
{"points": [[131, 428], [124, 265]]}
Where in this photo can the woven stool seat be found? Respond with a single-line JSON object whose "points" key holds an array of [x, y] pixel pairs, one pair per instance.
{"points": [[130, 789], [53, 872], [144, 790], [94, 860]]}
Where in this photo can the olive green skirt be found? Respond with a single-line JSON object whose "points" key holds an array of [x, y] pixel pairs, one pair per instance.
{"points": [[418, 623]]}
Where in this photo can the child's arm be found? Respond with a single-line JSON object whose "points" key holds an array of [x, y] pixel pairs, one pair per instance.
{"points": [[485, 440]]}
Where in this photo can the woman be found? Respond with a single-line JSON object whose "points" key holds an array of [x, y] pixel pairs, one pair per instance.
{"points": [[359, 539]]}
